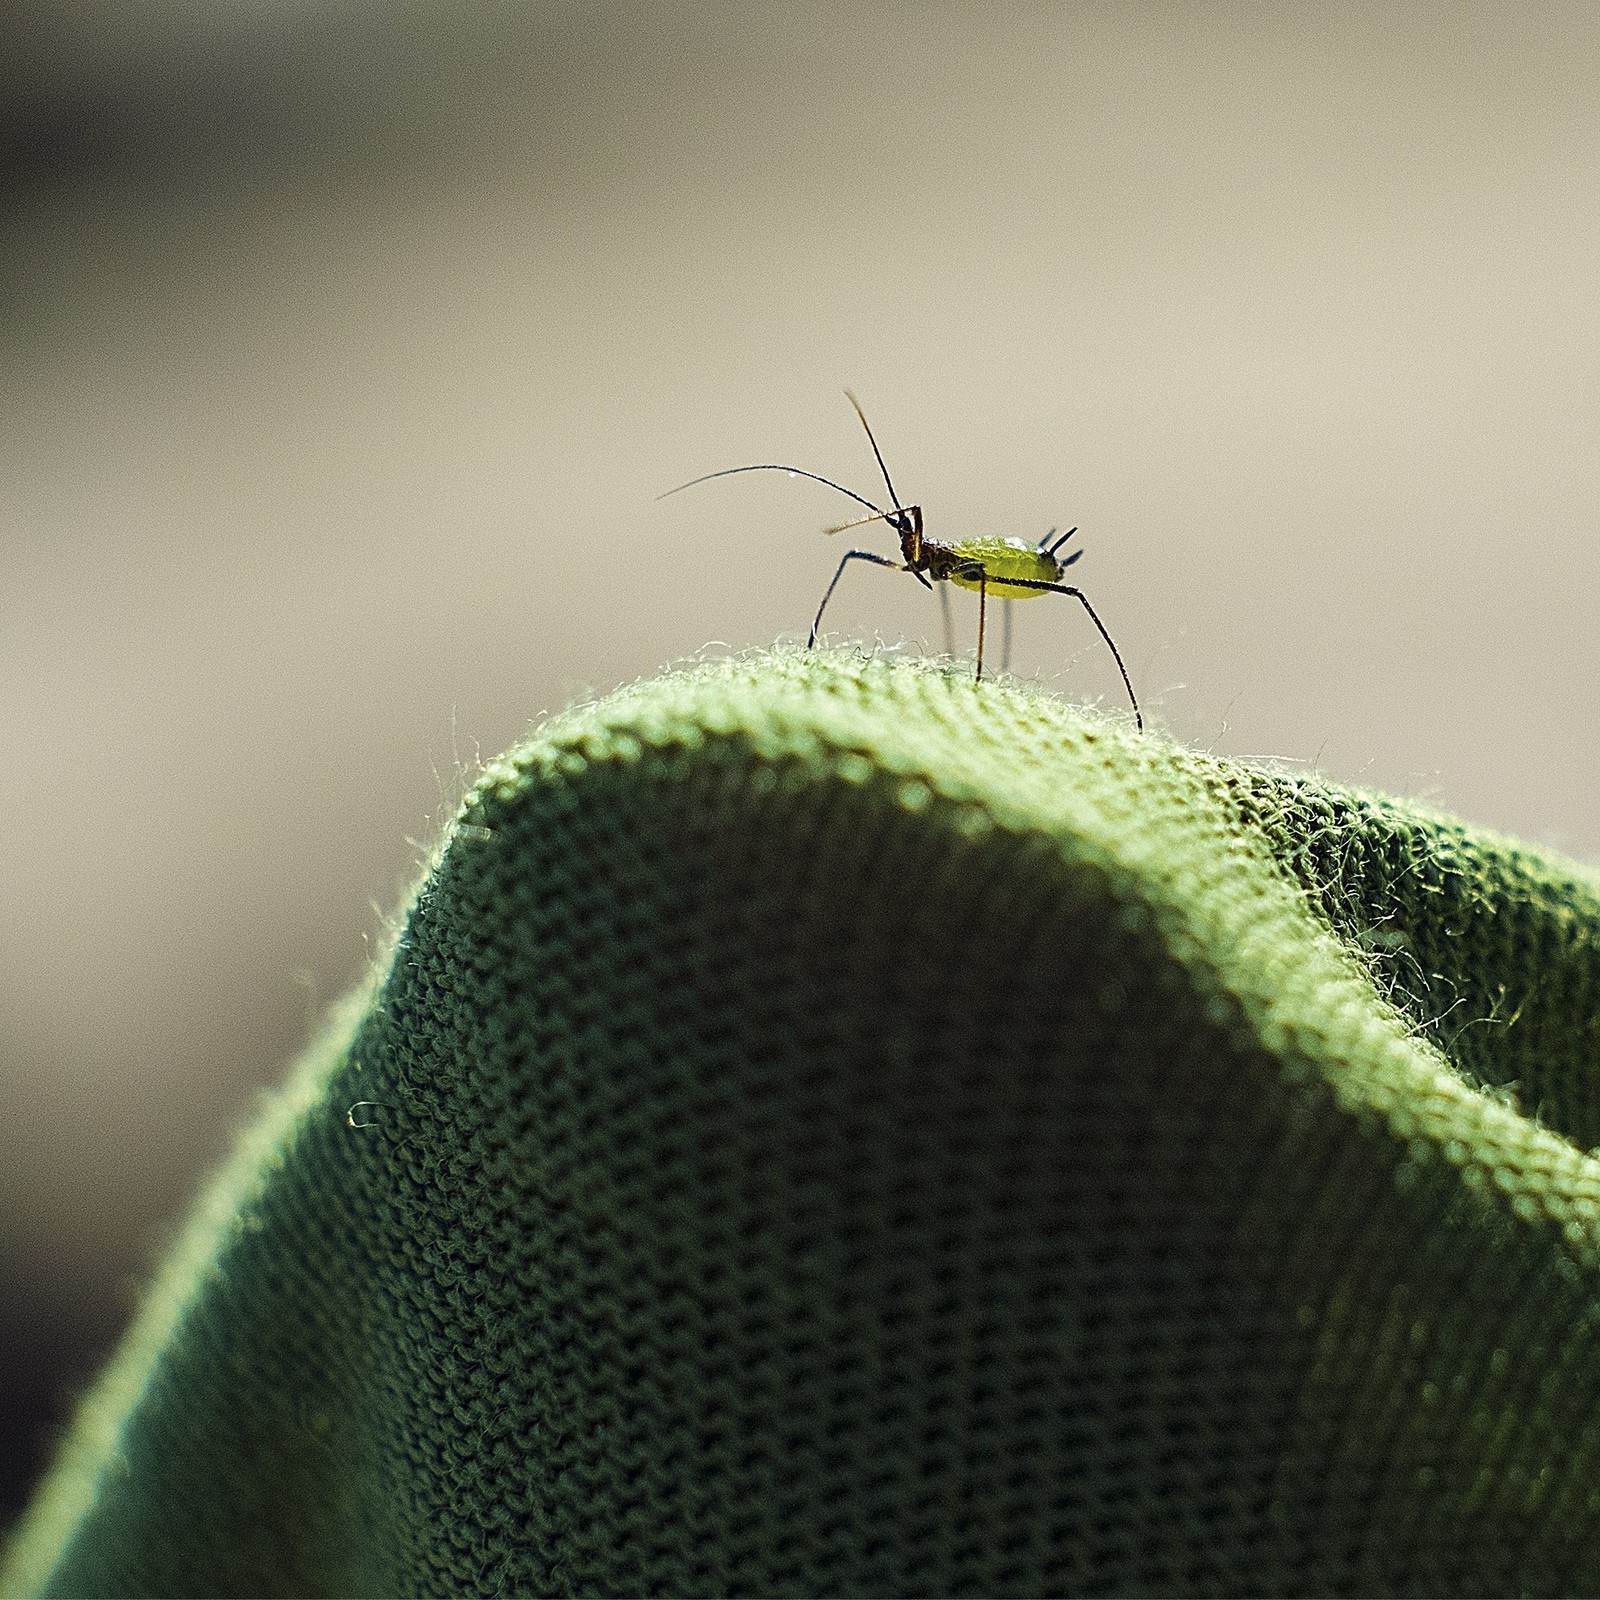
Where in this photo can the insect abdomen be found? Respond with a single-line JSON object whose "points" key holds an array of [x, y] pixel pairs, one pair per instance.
{"points": [[1002, 559]]}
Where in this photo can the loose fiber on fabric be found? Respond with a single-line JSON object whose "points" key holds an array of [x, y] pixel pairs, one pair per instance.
{"points": [[828, 1127]]}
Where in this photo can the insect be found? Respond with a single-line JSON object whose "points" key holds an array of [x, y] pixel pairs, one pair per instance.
{"points": [[1005, 568]]}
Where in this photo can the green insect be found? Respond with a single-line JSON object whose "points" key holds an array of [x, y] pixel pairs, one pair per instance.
{"points": [[1005, 568]]}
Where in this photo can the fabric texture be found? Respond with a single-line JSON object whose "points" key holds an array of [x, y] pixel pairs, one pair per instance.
{"points": [[830, 1127]]}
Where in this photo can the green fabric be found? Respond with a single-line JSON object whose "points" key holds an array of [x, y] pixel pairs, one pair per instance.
{"points": [[831, 1127]]}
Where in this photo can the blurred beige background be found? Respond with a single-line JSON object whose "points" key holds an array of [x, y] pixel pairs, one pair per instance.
{"points": [[346, 347]]}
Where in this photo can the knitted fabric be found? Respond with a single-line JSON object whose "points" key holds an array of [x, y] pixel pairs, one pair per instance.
{"points": [[830, 1127]]}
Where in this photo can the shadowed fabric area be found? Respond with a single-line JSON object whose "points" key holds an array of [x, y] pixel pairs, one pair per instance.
{"points": [[829, 1127]]}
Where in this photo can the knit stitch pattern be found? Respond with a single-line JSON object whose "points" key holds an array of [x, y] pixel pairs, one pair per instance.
{"points": [[827, 1126]]}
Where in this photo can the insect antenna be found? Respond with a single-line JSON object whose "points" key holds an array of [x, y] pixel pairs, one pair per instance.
{"points": [[794, 472], [897, 524]]}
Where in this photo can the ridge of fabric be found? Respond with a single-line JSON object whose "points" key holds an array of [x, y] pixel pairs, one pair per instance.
{"points": [[827, 1126]]}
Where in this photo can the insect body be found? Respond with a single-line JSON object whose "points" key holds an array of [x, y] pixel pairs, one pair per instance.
{"points": [[1001, 559], [1005, 568]]}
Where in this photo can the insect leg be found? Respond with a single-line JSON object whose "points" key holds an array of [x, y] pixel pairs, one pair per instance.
{"points": [[1111, 644], [944, 612], [891, 517], [849, 556], [983, 609], [1005, 636]]}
